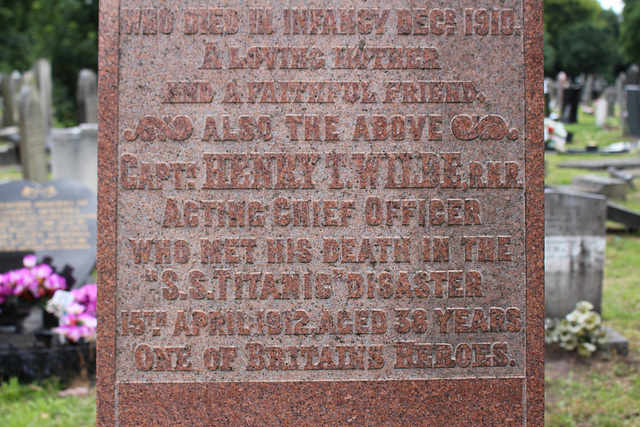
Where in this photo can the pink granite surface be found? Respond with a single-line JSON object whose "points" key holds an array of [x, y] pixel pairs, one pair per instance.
{"points": [[288, 235]]}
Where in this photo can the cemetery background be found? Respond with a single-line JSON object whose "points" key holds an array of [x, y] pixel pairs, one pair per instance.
{"points": [[602, 391]]}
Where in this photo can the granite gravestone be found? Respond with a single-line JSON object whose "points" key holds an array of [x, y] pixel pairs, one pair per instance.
{"points": [[33, 154], [574, 250], [632, 90], [55, 220], [318, 213], [87, 97]]}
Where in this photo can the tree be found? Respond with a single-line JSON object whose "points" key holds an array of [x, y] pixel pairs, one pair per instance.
{"points": [[15, 52], [550, 56], [586, 48], [561, 14], [66, 33], [629, 31], [63, 31]]}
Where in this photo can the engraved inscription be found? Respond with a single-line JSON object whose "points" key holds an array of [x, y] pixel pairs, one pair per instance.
{"points": [[320, 192], [150, 128]]}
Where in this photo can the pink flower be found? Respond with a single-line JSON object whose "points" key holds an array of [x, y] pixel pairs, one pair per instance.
{"points": [[77, 326], [42, 271], [87, 296], [24, 280], [75, 308], [29, 261], [55, 282]]}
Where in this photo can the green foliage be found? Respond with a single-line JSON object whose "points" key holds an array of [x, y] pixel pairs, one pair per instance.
{"points": [[549, 56], [629, 31], [63, 31], [39, 405], [586, 48], [560, 14], [16, 42]]}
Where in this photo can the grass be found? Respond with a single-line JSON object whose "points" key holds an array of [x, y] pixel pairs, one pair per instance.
{"points": [[11, 172], [604, 391], [587, 133], [39, 405]]}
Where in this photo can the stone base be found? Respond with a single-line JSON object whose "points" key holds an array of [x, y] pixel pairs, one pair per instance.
{"points": [[611, 188], [616, 343]]}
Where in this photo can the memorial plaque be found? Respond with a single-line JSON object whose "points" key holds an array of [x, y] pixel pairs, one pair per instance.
{"points": [[321, 212], [55, 220]]}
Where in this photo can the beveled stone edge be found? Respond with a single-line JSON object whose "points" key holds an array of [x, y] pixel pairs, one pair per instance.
{"points": [[107, 233], [533, 44]]}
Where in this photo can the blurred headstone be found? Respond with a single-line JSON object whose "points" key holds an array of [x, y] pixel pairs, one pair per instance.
{"points": [[602, 109], [42, 71], [610, 96], [56, 221], [8, 90], [571, 103], [587, 90], [598, 86], [33, 154], [633, 75], [621, 101], [561, 82], [633, 100], [553, 93], [574, 250], [87, 97], [547, 97], [611, 188], [74, 154]]}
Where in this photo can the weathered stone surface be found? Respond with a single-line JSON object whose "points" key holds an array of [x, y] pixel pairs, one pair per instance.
{"points": [[611, 188], [574, 250], [87, 97], [321, 213], [74, 154], [42, 71], [33, 155]]}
